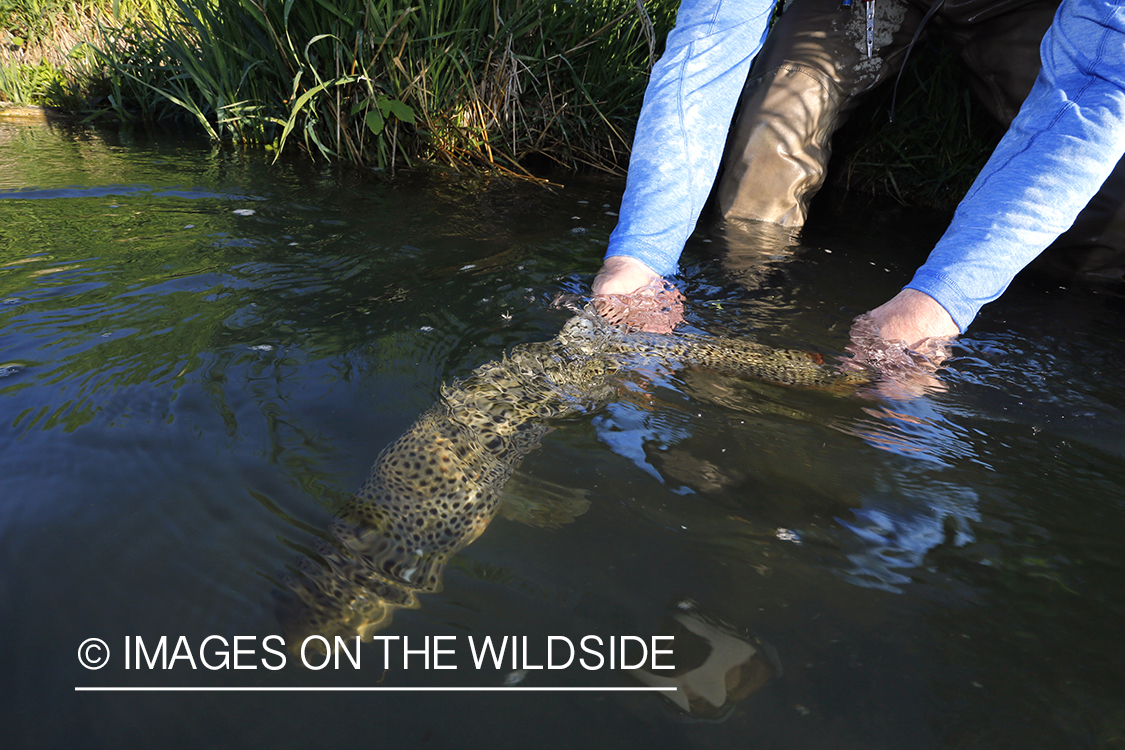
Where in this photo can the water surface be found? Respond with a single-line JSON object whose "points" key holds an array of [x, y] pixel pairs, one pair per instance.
{"points": [[201, 354]]}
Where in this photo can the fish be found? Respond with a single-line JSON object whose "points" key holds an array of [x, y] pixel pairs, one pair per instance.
{"points": [[435, 489]]}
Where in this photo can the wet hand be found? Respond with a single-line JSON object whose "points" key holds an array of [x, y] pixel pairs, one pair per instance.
{"points": [[915, 319], [630, 294], [906, 340], [623, 275]]}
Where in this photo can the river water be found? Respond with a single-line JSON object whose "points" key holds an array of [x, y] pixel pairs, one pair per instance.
{"points": [[201, 354]]}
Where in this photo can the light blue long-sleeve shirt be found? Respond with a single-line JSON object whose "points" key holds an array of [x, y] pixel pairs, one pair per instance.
{"points": [[1067, 138], [683, 126]]}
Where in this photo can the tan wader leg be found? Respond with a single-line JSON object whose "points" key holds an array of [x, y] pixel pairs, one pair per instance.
{"points": [[800, 90], [1001, 54]]}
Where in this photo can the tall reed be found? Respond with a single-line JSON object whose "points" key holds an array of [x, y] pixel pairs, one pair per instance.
{"points": [[381, 82]]}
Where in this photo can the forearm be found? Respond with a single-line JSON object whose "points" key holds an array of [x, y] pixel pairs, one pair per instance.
{"points": [[1069, 135], [683, 125]]}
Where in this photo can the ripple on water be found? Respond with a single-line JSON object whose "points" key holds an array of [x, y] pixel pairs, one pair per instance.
{"points": [[899, 556], [8, 369]]}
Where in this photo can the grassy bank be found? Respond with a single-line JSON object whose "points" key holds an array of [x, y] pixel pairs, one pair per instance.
{"points": [[501, 83], [508, 84], [377, 82], [43, 46]]}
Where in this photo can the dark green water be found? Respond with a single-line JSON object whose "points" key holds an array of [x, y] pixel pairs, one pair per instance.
{"points": [[201, 355]]}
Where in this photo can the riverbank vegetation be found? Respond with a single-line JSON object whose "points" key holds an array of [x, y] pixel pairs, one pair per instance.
{"points": [[380, 82], [511, 85], [43, 45]]}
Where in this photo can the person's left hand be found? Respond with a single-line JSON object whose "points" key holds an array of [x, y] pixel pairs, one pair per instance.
{"points": [[906, 340], [915, 319], [621, 274]]}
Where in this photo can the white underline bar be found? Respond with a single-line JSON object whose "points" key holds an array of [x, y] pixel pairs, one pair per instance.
{"points": [[492, 689]]}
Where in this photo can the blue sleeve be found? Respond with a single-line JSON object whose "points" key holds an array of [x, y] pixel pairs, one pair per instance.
{"points": [[1067, 138], [683, 125]]}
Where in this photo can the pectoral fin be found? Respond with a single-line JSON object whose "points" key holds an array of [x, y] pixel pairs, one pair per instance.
{"points": [[538, 502]]}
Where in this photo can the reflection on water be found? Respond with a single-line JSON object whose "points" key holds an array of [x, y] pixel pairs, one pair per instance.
{"points": [[717, 666], [200, 354]]}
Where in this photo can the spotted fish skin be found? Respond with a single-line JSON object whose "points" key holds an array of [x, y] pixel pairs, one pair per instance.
{"points": [[437, 487], [792, 367]]}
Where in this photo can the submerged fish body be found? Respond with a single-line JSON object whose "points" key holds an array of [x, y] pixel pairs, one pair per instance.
{"points": [[437, 487], [792, 367]]}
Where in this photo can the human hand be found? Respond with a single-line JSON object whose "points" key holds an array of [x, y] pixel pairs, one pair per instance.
{"points": [[906, 339], [623, 275], [630, 294], [915, 319]]}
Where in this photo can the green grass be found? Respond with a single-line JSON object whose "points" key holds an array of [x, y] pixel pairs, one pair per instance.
{"points": [[43, 45], [500, 83], [932, 151], [513, 85]]}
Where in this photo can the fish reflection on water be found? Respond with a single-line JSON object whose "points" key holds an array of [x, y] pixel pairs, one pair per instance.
{"points": [[435, 489]]}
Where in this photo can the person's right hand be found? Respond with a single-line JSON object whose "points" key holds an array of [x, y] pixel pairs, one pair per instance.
{"points": [[624, 275], [630, 294]]}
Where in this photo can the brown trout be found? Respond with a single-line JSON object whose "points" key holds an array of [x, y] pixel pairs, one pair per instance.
{"points": [[437, 487]]}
